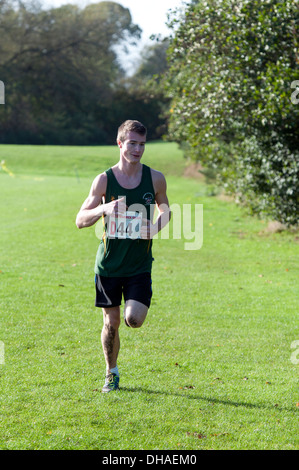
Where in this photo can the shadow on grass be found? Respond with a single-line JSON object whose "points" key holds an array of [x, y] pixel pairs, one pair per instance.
{"points": [[211, 400]]}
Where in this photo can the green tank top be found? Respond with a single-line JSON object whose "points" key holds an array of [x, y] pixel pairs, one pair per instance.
{"points": [[127, 257]]}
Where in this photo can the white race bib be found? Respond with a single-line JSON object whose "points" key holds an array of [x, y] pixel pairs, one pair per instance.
{"points": [[126, 226]]}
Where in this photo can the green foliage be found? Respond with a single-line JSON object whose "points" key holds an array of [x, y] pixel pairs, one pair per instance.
{"points": [[266, 179], [145, 86], [232, 64], [153, 59], [63, 80]]}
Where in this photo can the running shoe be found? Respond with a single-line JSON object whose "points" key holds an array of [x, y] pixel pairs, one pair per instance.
{"points": [[111, 383]]}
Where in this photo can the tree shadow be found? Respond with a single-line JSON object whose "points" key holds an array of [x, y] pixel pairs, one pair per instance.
{"points": [[212, 400]]}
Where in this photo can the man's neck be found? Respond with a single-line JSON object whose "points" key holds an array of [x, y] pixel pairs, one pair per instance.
{"points": [[129, 169]]}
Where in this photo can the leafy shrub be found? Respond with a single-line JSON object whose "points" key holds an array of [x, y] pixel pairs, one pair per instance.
{"points": [[232, 66]]}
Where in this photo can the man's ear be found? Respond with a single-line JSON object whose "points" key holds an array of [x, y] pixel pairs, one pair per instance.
{"points": [[119, 143]]}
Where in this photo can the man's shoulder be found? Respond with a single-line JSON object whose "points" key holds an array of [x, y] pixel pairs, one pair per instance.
{"points": [[100, 181], [159, 181], [157, 175]]}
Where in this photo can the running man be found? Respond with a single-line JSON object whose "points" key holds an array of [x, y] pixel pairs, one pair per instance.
{"points": [[123, 265]]}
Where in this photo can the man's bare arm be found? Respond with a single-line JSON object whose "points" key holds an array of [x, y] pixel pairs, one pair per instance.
{"points": [[162, 205], [93, 207]]}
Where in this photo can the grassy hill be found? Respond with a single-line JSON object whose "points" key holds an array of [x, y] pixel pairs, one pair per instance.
{"points": [[213, 367], [84, 161]]}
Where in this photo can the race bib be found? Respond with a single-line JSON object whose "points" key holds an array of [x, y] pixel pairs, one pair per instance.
{"points": [[127, 226]]}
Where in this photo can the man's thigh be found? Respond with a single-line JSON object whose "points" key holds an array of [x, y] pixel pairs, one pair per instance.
{"points": [[138, 288], [111, 317], [108, 291], [135, 313]]}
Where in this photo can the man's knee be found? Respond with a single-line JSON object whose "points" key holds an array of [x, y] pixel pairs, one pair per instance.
{"points": [[135, 313], [133, 321], [111, 324], [111, 319]]}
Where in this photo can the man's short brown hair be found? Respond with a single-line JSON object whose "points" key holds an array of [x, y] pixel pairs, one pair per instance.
{"points": [[130, 126]]}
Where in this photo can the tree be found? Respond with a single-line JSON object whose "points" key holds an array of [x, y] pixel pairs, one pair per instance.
{"points": [[232, 63], [153, 61], [61, 70], [145, 89]]}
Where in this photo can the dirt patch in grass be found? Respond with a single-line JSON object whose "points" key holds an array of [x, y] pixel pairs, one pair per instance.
{"points": [[192, 170]]}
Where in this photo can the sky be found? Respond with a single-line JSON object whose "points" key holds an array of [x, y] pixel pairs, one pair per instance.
{"points": [[149, 15]]}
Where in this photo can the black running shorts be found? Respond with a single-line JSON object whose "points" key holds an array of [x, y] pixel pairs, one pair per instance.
{"points": [[109, 290]]}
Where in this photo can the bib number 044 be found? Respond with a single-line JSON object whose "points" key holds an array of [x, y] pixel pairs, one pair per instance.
{"points": [[127, 226]]}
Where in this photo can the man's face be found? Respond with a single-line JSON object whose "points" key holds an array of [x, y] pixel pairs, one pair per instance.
{"points": [[133, 147]]}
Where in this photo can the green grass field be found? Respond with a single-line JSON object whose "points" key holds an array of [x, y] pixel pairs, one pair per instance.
{"points": [[212, 367]]}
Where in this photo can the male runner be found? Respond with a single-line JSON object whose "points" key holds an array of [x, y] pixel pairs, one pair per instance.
{"points": [[123, 265]]}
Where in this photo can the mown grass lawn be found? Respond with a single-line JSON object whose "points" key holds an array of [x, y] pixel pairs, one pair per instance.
{"points": [[210, 369]]}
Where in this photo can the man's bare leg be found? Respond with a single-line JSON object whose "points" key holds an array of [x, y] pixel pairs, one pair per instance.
{"points": [[110, 336], [135, 313]]}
